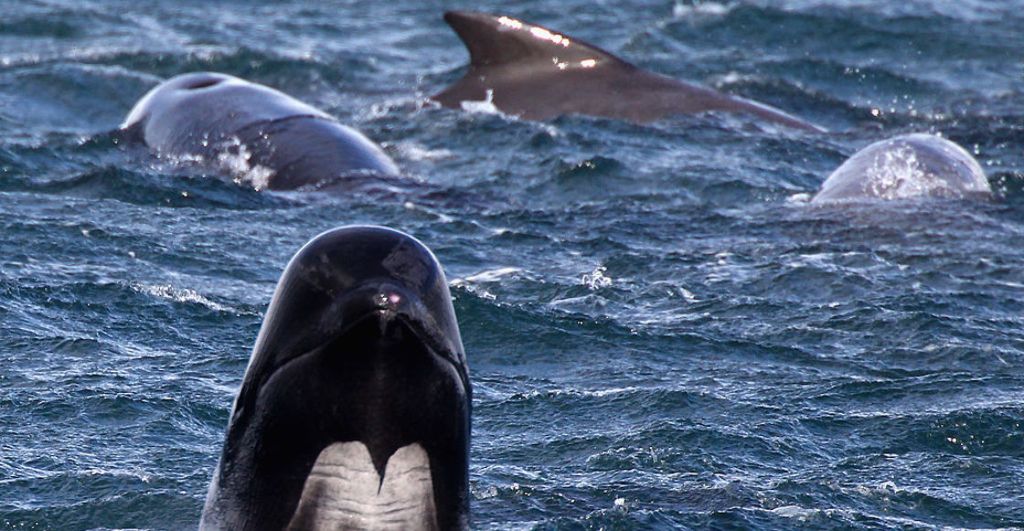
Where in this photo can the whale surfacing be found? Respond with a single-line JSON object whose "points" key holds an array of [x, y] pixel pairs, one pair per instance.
{"points": [[251, 130], [535, 73], [907, 166], [354, 411]]}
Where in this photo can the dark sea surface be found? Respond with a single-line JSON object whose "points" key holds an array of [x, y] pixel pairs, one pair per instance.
{"points": [[662, 332]]}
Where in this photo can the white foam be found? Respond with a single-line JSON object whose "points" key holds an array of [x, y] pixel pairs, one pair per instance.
{"points": [[684, 9], [898, 174], [597, 279], [416, 151], [489, 275], [472, 283], [409, 205], [733, 77], [485, 493], [795, 511], [485, 106], [569, 392], [235, 157], [171, 293]]}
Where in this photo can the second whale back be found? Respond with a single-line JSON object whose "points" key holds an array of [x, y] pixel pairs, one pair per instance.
{"points": [[535, 73]]}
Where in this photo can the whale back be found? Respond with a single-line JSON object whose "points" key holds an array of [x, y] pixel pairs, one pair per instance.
{"points": [[535, 73], [908, 166], [251, 131], [191, 111], [499, 40]]}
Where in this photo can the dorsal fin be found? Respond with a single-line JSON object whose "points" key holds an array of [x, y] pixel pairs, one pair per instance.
{"points": [[494, 40]]}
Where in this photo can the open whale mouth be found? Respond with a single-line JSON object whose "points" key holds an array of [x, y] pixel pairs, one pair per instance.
{"points": [[385, 322], [381, 476]]}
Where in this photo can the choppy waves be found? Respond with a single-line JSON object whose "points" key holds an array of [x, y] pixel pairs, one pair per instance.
{"points": [[661, 332]]}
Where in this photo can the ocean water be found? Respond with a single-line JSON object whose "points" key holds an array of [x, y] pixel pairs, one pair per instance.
{"points": [[662, 332]]}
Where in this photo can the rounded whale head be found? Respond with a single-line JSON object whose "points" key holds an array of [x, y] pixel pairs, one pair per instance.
{"points": [[909, 166], [251, 132], [355, 407], [198, 97]]}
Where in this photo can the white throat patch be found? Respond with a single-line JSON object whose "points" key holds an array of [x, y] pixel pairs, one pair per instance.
{"points": [[343, 491]]}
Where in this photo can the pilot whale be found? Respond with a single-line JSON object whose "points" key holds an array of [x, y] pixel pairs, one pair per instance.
{"points": [[907, 166], [536, 73], [240, 127], [354, 411]]}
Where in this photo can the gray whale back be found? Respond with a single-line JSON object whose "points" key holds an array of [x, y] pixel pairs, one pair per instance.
{"points": [[535, 73], [250, 130], [908, 166]]}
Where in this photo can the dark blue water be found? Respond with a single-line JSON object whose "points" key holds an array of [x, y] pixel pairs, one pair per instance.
{"points": [[662, 332]]}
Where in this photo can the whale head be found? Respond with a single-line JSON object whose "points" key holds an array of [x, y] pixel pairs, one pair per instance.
{"points": [[355, 406]]}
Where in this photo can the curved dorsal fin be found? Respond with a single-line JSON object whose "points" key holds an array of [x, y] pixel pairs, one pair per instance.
{"points": [[494, 40]]}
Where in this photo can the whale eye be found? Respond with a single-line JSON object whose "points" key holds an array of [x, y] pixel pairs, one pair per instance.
{"points": [[203, 83]]}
